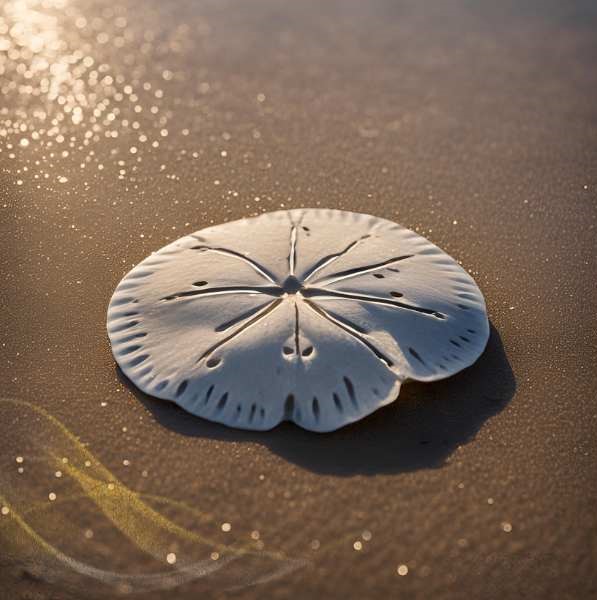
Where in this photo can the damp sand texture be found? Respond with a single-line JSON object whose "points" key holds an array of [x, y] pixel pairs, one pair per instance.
{"points": [[127, 126]]}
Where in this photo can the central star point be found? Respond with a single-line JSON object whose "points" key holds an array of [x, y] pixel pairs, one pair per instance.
{"points": [[292, 285]]}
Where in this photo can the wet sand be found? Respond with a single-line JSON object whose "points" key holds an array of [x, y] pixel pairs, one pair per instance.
{"points": [[123, 127]]}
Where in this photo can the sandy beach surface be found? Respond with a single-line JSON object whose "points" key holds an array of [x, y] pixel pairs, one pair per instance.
{"points": [[125, 125]]}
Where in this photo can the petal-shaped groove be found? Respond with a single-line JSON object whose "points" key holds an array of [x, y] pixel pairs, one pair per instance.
{"points": [[312, 315]]}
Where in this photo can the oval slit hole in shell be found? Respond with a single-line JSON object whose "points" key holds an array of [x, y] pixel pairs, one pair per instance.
{"points": [[129, 349], [138, 360], [315, 407], [161, 385], [350, 391], [208, 394], [289, 407], [222, 402], [414, 353], [337, 402]]}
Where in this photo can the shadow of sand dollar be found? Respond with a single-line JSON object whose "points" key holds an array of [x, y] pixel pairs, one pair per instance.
{"points": [[66, 518], [418, 431]]}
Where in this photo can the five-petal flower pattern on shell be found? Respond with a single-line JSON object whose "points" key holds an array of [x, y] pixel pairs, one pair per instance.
{"points": [[310, 315]]}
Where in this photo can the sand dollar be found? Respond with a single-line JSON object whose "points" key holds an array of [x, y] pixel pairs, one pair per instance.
{"points": [[311, 315]]}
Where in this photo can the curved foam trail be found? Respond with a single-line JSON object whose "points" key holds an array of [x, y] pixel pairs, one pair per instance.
{"points": [[145, 527], [147, 582]]}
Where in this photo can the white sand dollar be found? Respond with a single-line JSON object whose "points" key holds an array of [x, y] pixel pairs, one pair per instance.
{"points": [[315, 316]]}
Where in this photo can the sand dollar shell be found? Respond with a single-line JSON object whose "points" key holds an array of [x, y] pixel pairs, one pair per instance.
{"points": [[310, 315]]}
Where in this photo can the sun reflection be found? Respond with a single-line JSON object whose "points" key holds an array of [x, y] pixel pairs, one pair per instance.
{"points": [[69, 83]]}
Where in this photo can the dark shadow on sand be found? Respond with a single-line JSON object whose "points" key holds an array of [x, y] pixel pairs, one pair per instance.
{"points": [[418, 431]]}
